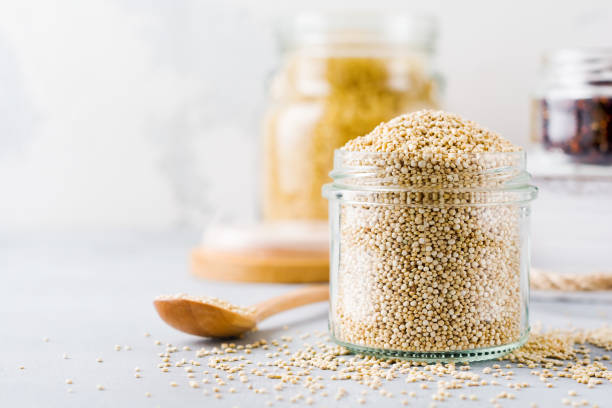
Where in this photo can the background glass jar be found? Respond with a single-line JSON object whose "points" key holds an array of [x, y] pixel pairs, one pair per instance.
{"points": [[341, 75], [429, 266], [573, 105]]}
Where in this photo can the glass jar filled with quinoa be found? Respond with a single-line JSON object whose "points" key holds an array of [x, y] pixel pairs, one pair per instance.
{"points": [[429, 240], [341, 75]]}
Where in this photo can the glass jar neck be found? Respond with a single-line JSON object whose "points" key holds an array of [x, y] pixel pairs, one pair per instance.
{"points": [[353, 54], [432, 179], [578, 72]]}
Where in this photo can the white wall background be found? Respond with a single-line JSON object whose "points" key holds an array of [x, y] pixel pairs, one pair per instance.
{"points": [[144, 114]]}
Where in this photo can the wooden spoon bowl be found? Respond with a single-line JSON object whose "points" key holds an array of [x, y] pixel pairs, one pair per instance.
{"points": [[211, 317]]}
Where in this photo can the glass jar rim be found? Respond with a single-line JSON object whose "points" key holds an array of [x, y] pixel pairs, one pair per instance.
{"points": [[343, 157], [418, 31]]}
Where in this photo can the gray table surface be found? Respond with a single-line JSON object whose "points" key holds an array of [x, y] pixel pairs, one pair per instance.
{"points": [[90, 292]]}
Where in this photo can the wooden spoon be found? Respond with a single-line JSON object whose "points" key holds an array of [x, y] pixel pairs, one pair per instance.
{"points": [[211, 317]]}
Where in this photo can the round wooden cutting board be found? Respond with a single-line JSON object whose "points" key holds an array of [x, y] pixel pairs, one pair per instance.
{"points": [[282, 253]]}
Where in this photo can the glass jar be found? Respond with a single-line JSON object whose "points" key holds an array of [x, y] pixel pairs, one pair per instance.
{"points": [[426, 265], [573, 105], [341, 75]]}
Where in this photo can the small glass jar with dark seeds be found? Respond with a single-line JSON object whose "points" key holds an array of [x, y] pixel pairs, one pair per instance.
{"points": [[572, 109]]}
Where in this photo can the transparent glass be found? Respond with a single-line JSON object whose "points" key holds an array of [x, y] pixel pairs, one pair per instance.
{"points": [[429, 265], [340, 76], [572, 107]]}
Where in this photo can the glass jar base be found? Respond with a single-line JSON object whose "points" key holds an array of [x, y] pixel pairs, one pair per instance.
{"points": [[480, 354]]}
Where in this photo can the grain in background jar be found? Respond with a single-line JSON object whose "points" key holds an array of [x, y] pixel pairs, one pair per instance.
{"points": [[341, 75]]}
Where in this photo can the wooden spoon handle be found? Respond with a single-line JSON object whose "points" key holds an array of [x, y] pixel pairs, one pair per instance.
{"points": [[293, 299]]}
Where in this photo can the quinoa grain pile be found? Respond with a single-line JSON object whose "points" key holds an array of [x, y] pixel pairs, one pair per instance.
{"points": [[423, 267], [428, 132]]}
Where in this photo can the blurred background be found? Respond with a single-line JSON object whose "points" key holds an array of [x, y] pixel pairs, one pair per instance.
{"points": [[122, 114]]}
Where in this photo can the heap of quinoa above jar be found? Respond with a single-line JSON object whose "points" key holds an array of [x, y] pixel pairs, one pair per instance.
{"points": [[429, 240]]}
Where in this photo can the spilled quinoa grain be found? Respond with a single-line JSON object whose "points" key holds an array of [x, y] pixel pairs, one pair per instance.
{"points": [[318, 372]]}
